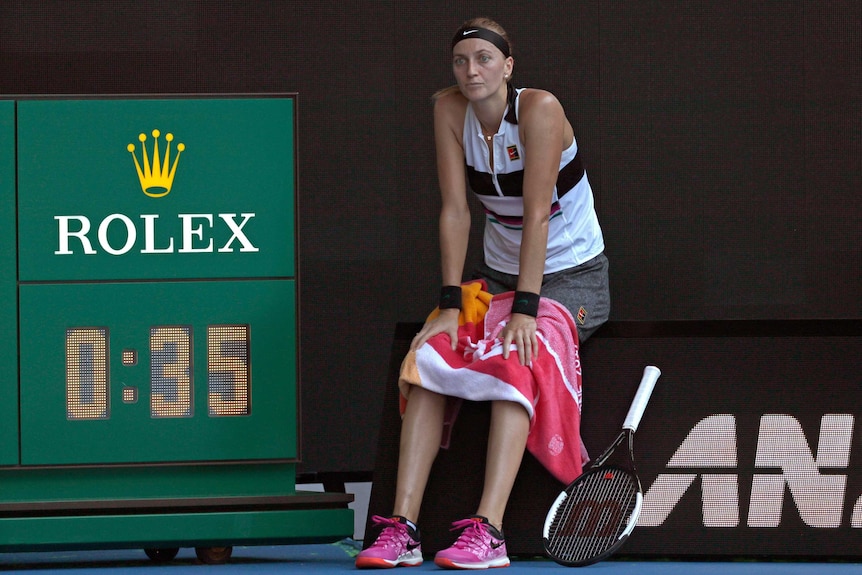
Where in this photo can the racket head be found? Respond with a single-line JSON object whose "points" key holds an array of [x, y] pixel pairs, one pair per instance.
{"points": [[593, 516]]}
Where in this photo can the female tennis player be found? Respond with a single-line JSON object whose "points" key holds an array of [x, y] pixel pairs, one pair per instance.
{"points": [[517, 150]]}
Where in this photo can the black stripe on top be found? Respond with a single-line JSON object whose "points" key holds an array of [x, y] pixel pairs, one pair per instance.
{"points": [[512, 184]]}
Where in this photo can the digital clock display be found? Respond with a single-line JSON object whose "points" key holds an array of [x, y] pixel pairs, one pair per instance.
{"points": [[169, 363], [171, 374]]}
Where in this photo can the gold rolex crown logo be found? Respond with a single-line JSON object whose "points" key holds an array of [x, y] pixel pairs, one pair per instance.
{"points": [[156, 175]]}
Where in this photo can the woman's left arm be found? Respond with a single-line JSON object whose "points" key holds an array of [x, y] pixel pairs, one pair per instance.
{"points": [[542, 123]]}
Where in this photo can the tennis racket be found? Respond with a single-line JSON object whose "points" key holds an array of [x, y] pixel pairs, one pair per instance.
{"points": [[594, 515]]}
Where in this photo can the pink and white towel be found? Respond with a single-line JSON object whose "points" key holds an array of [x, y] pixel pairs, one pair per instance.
{"points": [[549, 388]]}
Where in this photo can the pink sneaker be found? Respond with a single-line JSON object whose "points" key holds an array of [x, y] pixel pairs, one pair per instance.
{"points": [[479, 546], [397, 544]]}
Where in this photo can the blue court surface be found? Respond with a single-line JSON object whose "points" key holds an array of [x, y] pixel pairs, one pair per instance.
{"points": [[338, 558]]}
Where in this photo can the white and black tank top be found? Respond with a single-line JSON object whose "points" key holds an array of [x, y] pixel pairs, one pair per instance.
{"points": [[574, 234]]}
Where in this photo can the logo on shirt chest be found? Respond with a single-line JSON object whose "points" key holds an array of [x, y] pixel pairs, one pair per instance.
{"points": [[513, 153]]}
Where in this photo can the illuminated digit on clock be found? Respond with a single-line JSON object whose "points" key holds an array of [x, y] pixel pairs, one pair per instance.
{"points": [[228, 370], [170, 371], [87, 373]]}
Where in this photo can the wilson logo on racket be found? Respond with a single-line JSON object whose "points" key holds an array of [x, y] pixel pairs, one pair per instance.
{"points": [[593, 519]]}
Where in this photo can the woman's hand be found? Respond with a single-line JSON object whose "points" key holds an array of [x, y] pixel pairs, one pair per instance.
{"points": [[521, 330], [445, 322]]}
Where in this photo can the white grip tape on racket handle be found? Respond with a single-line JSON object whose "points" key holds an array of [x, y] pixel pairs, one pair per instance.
{"points": [[636, 411]]}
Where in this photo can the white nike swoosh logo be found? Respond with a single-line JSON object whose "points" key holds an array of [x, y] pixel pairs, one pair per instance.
{"points": [[465, 32]]}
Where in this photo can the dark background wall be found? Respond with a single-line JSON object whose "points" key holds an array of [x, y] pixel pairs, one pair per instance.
{"points": [[722, 138]]}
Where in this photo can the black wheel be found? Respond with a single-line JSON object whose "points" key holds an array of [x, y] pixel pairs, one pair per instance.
{"points": [[213, 555], [162, 555]]}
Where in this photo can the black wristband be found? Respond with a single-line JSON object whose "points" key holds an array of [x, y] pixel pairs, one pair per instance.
{"points": [[450, 297], [526, 302]]}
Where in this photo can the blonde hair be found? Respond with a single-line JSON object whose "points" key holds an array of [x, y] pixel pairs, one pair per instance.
{"points": [[481, 22], [445, 92]]}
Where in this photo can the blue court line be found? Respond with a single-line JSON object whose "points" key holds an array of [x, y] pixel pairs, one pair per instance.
{"points": [[336, 558]]}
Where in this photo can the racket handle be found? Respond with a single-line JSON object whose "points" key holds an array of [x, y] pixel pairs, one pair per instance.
{"points": [[636, 411]]}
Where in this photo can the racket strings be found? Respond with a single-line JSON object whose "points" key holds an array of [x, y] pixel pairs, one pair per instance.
{"points": [[593, 517]]}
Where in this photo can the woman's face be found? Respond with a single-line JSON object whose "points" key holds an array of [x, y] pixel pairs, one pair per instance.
{"points": [[480, 68]]}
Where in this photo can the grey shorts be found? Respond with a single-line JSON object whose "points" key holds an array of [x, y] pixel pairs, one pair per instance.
{"points": [[583, 289]]}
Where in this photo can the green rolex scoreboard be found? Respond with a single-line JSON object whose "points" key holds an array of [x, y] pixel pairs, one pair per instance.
{"points": [[148, 306]]}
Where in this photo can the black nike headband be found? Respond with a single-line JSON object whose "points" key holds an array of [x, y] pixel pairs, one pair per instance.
{"points": [[467, 32]]}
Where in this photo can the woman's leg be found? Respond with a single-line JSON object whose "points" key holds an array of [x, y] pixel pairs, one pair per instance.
{"points": [[421, 430], [507, 439]]}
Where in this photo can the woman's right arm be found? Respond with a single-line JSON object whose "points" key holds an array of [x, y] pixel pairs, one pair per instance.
{"points": [[449, 111]]}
